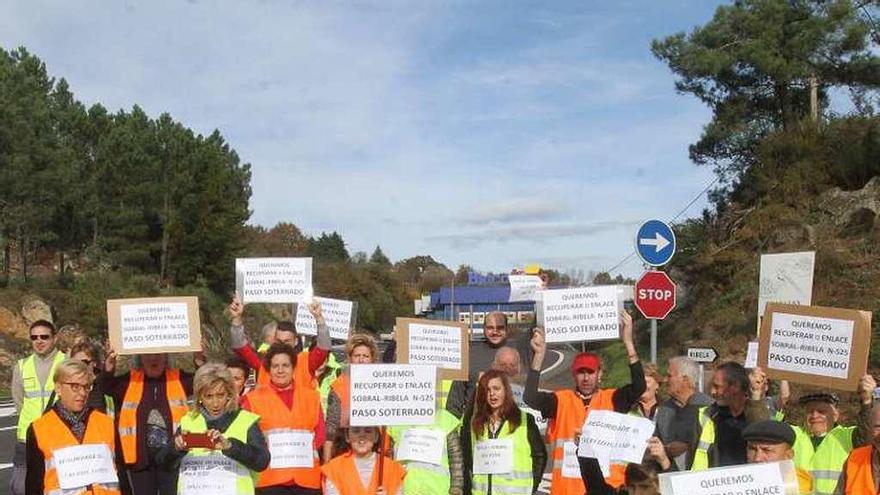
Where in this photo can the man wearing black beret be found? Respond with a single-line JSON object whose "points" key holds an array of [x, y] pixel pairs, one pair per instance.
{"points": [[772, 441]]}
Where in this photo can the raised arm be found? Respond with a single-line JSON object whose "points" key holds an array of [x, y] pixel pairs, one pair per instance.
{"points": [[545, 402]]}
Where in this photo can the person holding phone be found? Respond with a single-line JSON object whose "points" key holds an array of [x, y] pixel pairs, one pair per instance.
{"points": [[216, 436]]}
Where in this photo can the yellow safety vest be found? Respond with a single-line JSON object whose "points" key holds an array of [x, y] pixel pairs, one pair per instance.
{"points": [[36, 395]]}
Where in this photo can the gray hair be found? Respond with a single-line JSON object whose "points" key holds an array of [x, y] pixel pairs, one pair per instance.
{"points": [[687, 367], [206, 377], [269, 329]]}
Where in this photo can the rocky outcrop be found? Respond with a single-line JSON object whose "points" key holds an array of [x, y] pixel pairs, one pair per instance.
{"points": [[852, 208]]}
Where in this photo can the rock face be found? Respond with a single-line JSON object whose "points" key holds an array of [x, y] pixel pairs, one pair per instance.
{"points": [[36, 309], [13, 325], [849, 207]]}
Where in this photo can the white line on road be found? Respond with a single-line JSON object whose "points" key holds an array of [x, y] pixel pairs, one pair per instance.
{"points": [[6, 428], [559, 360], [7, 411], [5, 466]]}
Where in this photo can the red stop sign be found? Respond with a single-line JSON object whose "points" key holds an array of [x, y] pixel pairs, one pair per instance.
{"points": [[655, 295]]}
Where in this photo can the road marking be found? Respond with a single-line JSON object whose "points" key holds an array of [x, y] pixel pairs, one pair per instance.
{"points": [[6, 428], [5, 466], [7, 411], [559, 360]]}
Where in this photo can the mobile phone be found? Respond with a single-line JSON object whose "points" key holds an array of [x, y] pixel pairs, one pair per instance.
{"points": [[197, 440]]}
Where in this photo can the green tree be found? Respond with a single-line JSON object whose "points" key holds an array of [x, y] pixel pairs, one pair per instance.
{"points": [[328, 247], [379, 258]]}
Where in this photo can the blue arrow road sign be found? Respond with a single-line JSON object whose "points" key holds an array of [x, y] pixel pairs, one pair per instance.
{"points": [[655, 242]]}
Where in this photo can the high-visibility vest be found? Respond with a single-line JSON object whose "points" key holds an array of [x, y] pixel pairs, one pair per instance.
{"points": [[825, 462], [194, 422], [343, 473], [443, 393], [704, 443], [326, 383], [571, 414], [342, 389], [519, 481], [128, 426], [52, 434], [36, 395], [301, 375], [275, 415], [263, 348], [859, 474], [424, 478], [805, 482]]}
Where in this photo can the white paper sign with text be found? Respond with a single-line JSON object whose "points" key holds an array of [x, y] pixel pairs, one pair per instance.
{"points": [[786, 278], [338, 314], [393, 394], [143, 326], [422, 445], [524, 287], [435, 344], [751, 355], [810, 344], [614, 437], [274, 280], [493, 456], [291, 448], [82, 465], [582, 314], [769, 478], [213, 474]]}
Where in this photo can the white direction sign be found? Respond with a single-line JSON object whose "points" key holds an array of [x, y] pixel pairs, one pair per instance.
{"points": [[582, 314], [274, 280], [393, 394], [703, 354]]}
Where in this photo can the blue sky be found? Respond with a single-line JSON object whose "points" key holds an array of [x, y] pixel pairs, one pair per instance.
{"points": [[489, 133]]}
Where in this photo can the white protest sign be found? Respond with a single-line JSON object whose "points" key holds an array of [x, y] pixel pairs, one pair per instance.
{"points": [[524, 287], [212, 474], [614, 437], [291, 449], [770, 478], [82, 465], [422, 445], [751, 355], [435, 344], [493, 456], [810, 344], [274, 280], [339, 316], [392, 394], [154, 325], [582, 314], [786, 278]]}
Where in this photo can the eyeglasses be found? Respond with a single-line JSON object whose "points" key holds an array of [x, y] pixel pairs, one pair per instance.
{"points": [[79, 387], [87, 361], [43, 336], [495, 327]]}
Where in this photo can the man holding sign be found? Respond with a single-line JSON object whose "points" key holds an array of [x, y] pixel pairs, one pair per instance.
{"points": [[568, 409]]}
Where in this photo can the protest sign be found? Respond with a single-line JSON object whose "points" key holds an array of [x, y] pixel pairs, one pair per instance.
{"points": [[767, 478], [291, 448], [493, 456], [815, 345], [582, 314], [154, 325], [274, 280], [421, 445], [614, 437], [82, 465], [340, 316], [786, 278], [524, 287], [212, 474], [751, 355], [443, 344], [392, 394]]}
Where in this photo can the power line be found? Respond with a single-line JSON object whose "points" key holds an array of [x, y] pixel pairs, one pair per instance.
{"points": [[677, 215]]}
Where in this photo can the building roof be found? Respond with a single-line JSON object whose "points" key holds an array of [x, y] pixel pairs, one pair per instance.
{"points": [[471, 294]]}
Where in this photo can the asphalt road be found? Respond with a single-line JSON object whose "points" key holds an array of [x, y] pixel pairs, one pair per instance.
{"points": [[8, 421]]}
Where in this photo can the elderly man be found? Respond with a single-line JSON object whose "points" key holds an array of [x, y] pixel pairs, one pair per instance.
{"points": [[739, 401], [771, 441], [861, 472], [677, 415], [822, 444]]}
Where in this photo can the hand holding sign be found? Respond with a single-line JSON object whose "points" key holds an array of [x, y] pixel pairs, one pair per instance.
{"points": [[236, 310], [867, 386]]}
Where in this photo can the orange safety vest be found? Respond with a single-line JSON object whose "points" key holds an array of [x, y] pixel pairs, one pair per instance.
{"points": [[344, 475], [859, 474], [128, 411], [52, 434], [341, 387], [570, 418], [274, 414], [301, 375]]}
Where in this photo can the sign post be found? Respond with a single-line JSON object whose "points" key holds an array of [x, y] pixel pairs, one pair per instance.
{"points": [[702, 355], [655, 245]]}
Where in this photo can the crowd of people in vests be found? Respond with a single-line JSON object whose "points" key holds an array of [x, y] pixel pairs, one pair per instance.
{"points": [[159, 430]]}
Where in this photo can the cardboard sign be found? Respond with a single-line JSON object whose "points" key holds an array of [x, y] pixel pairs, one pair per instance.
{"points": [[786, 278], [582, 314], [524, 287], [82, 465], [212, 474], [614, 437], [154, 325], [274, 280], [824, 347], [392, 394], [777, 478], [443, 344], [339, 315]]}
